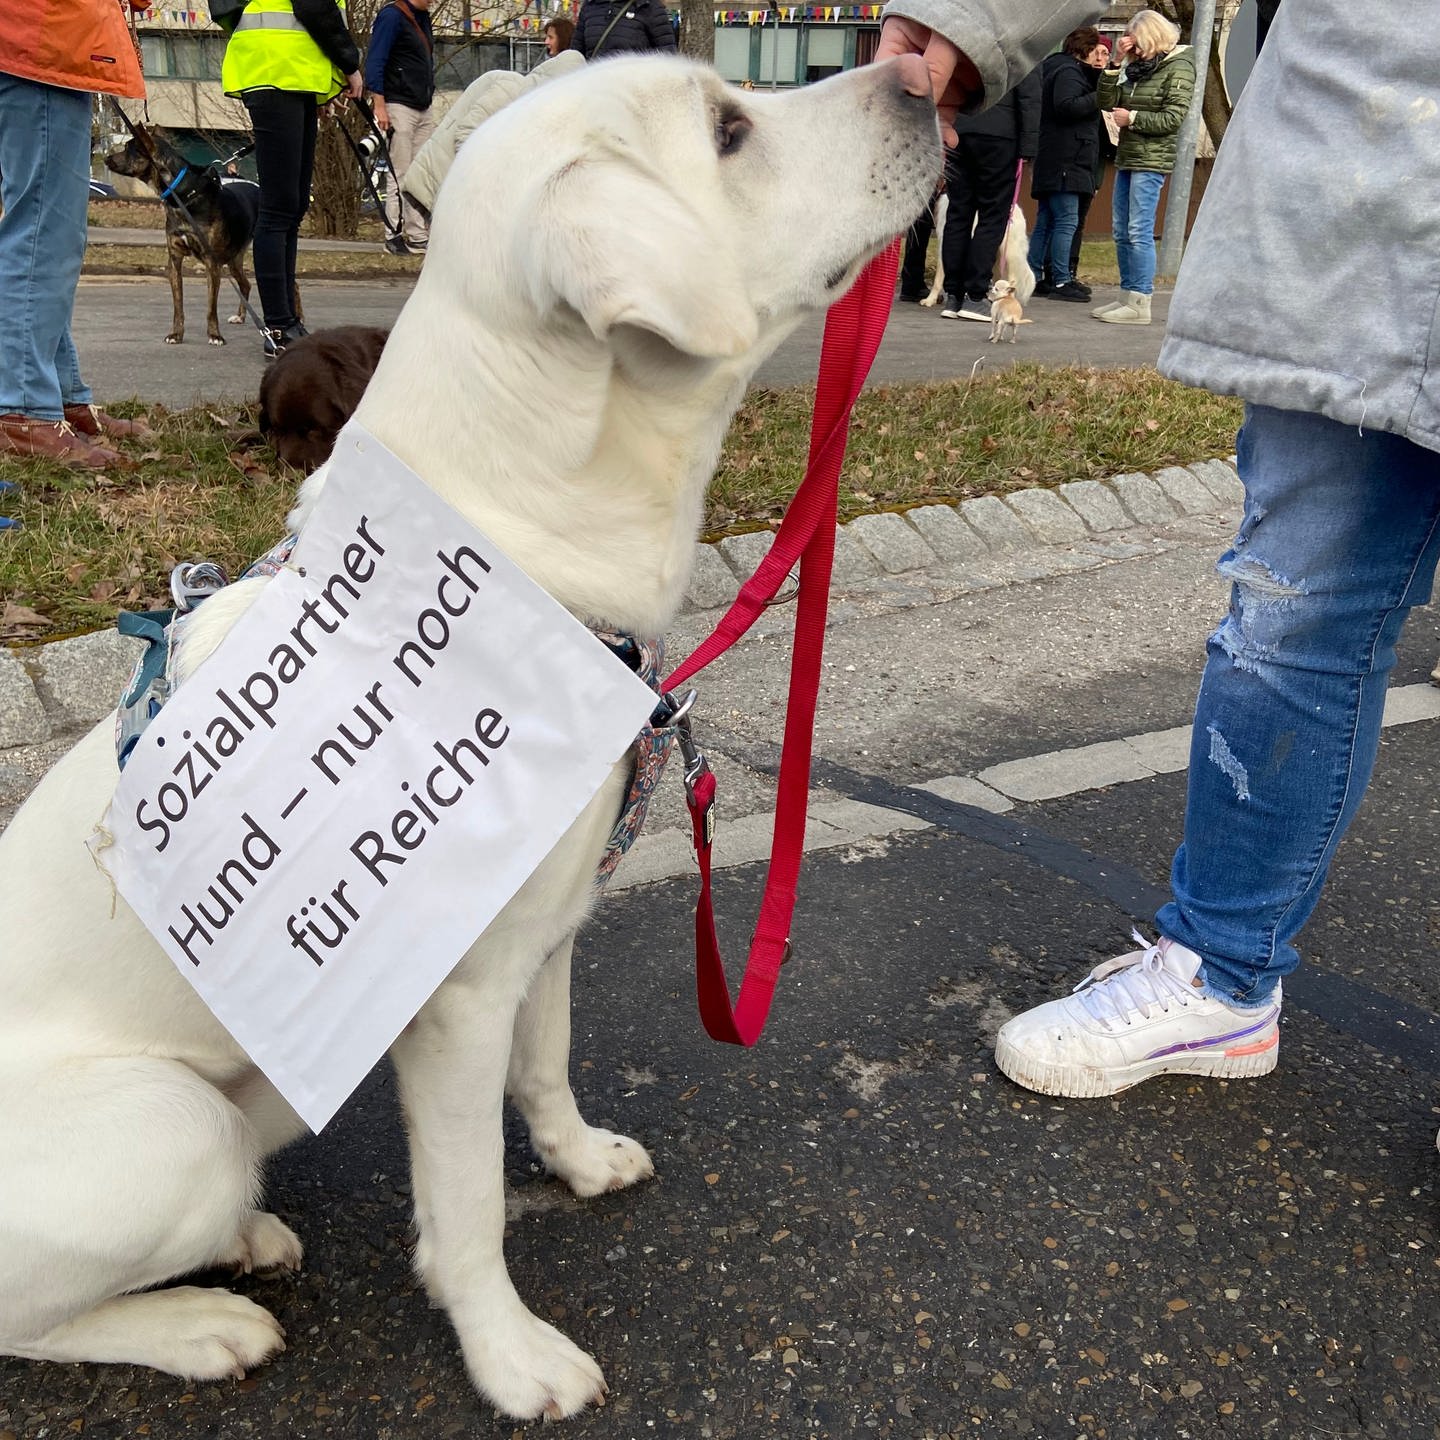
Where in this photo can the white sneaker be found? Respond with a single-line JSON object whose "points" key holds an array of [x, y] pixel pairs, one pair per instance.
{"points": [[1133, 1017]]}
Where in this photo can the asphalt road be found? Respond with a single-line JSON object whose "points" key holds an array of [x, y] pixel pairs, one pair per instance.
{"points": [[859, 1228], [120, 324]]}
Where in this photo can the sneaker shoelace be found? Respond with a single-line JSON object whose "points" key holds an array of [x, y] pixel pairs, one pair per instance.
{"points": [[1139, 981]]}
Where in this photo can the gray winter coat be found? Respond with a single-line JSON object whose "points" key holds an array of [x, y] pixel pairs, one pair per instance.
{"points": [[1312, 279]]}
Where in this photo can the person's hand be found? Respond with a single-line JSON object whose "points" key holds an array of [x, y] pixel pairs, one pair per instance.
{"points": [[953, 79], [382, 115], [1126, 45], [354, 85], [1121, 116]]}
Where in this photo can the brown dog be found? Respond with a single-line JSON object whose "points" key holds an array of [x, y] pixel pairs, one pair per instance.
{"points": [[312, 389], [224, 212]]}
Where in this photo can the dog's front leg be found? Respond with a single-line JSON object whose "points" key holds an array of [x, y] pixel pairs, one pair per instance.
{"points": [[177, 323], [451, 1062], [237, 270], [212, 311], [590, 1161]]}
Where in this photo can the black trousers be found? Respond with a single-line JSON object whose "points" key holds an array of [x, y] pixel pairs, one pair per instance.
{"points": [[284, 122], [917, 243], [980, 180]]}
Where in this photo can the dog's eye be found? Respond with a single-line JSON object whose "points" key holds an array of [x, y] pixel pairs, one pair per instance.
{"points": [[731, 128]]}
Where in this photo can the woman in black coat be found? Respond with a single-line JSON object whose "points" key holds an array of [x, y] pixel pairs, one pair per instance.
{"points": [[1065, 163], [607, 27]]}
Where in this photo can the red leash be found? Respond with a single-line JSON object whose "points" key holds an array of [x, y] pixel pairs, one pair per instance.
{"points": [[853, 330]]}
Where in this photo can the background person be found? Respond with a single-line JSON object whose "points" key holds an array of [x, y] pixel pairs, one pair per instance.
{"points": [[1066, 161], [608, 27], [913, 284], [559, 32], [1148, 97], [51, 59], [400, 76], [1340, 456], [285, 59], [1098, 59], [980, 181]]}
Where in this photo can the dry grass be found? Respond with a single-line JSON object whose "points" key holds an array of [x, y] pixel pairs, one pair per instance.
{"points": [[919, 444], [317, 264], [92, 545], [150, 215]]}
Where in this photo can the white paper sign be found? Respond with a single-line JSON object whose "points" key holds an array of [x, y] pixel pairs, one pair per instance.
{"points": [[326, 816]]}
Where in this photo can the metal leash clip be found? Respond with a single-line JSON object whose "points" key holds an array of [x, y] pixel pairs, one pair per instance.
{"points": [[677, 717], [194, 581]]}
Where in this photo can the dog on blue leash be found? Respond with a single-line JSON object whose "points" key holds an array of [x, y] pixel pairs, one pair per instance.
{"points": [[224, 210]]}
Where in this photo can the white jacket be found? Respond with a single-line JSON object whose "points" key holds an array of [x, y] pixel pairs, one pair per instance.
{"points": [[482, 98]]}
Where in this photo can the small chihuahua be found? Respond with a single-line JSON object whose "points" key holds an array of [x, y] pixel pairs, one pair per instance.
{"points": [[1004, 310]]}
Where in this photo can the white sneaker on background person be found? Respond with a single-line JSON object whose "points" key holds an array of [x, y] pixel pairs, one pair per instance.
{"points": [[1139, 1015]]}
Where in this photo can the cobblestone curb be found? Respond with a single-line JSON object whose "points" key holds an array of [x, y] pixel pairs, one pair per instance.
{"points": [[50, 691]]}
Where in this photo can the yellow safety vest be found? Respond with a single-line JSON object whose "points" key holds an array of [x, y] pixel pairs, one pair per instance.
{"points": [[271, 49]]}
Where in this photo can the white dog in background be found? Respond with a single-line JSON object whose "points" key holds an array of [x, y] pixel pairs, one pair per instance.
{"points": [[1014, 258], [593, 260]]}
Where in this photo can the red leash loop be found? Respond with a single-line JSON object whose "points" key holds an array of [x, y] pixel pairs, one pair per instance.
{"points": [[853, 330]]}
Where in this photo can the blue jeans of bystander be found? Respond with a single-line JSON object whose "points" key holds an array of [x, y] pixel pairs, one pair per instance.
{"points": [[45, 188], [1340, 539], [1136, 199], [1056, 216]]}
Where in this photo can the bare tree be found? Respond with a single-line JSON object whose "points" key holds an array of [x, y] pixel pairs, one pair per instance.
{"points": [[697, 30]]}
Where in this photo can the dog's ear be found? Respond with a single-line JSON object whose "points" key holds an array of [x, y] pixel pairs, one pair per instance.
{"points": [[621, 247]]}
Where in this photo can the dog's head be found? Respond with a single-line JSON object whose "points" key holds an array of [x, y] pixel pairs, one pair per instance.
{"points": [[644, 193], [1000, 288], [147, 155], [310, 391]]}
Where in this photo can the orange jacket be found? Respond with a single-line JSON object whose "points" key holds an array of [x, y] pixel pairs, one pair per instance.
{"points": [[75, 44]]}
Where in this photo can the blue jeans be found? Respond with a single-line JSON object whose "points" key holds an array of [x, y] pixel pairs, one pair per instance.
{"points": [[1340, 539], [1056, 216], [1135, 201], [45, 188]]}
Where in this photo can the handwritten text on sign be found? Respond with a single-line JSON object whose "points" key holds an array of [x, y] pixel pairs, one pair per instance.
{"points": [[326, 816]]}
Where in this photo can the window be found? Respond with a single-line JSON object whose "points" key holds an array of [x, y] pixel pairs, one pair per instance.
{"points": [[784, 73], [197, 57], [825, 52], [732, 53], [155, 52]]}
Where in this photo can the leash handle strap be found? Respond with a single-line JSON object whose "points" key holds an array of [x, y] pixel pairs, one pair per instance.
{"points": [[853, 330]]}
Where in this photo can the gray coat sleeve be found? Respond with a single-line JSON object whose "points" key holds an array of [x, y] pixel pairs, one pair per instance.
{"points": [[1004, 39]]}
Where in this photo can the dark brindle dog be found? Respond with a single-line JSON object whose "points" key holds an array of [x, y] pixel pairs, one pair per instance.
{"points": [[224, 212]]}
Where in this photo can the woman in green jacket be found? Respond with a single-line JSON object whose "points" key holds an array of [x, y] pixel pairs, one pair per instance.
{"points": [[1149, 96]]}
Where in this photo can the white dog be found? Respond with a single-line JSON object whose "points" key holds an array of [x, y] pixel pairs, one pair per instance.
{"points": [[1014, 254], [615, 252]]}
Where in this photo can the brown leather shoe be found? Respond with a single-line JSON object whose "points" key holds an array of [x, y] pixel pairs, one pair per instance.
{"points": [[53, 440], [92, 420]]}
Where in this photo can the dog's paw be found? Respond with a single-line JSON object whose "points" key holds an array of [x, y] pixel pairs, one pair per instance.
{"points": [[208, 1334], [593, 1161], [216, 339], [234, 319], [529, 1370], [174, 339], [930, 301], [264, 1244]]}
